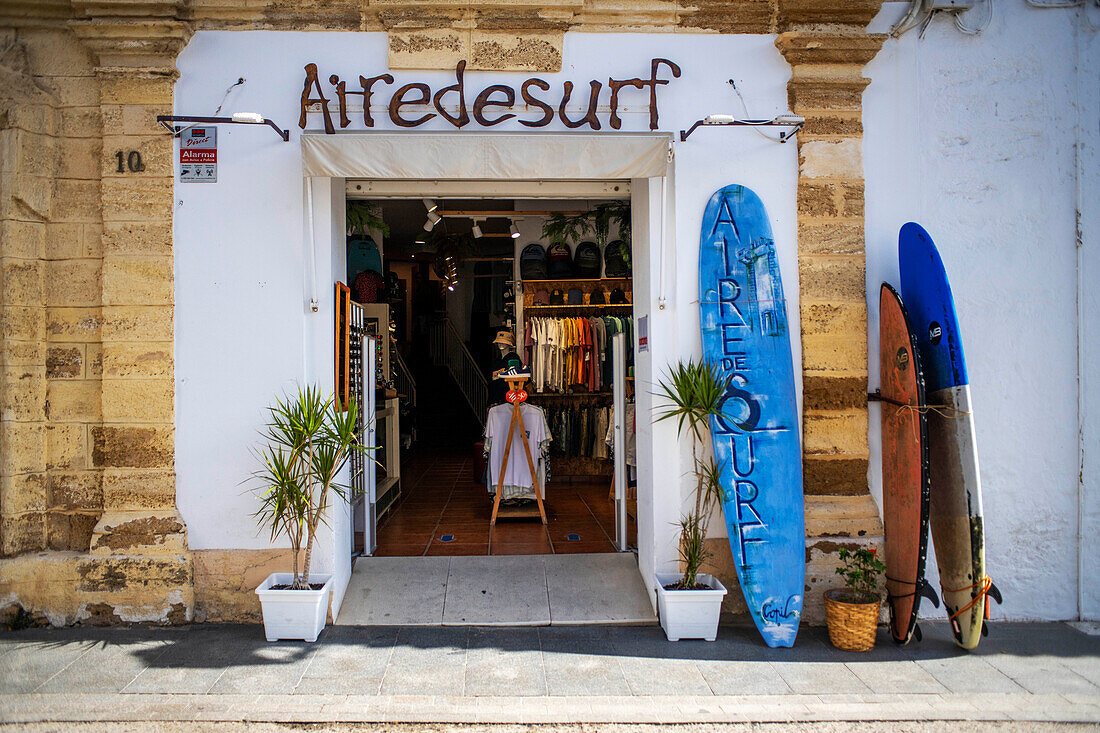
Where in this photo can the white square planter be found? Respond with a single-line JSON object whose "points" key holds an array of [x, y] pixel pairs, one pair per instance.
{"points": [[294, 614], [689, 614]]}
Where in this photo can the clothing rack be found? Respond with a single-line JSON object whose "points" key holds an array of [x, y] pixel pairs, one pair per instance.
{"points": [[567, 306], [594, 396], [517, 396]]}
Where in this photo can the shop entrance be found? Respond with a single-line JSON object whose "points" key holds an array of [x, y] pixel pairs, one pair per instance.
{"points": [[455, 288]]}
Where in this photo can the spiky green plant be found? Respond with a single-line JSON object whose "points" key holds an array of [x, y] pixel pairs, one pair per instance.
{"points": [[693, 392], [562, 228], [362, 217], [309, 441], [612, 212]]}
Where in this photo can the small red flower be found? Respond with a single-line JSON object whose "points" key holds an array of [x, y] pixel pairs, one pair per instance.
{"points": [[872, 551]]}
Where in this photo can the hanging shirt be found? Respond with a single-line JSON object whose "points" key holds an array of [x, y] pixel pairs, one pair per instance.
{"points": [[630, 456], [517, 474]]}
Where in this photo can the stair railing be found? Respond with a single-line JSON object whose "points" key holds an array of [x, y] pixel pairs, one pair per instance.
{"points": [[449, 351]]}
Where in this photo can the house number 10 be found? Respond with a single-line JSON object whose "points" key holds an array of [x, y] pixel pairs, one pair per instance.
{"points": [[132, 160]]}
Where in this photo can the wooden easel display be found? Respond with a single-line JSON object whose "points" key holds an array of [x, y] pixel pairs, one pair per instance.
{"points": [[517, 396]]}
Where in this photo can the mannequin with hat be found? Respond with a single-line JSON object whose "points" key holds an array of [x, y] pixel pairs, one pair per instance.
{"points": [[506, 342]]}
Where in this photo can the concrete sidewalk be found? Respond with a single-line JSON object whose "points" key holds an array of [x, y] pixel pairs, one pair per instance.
{"points": [[616, 674]]}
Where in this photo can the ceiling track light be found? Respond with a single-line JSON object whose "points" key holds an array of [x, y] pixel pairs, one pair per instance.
{"points": [[434, 217], [514, 230], [476, 230], [429, 225], [430, 205]]}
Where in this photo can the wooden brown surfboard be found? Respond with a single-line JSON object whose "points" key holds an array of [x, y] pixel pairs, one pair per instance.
{"points": [[905, 483]]}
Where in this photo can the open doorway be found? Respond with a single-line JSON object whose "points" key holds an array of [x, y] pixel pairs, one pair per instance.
{"points": [[454, 288]]}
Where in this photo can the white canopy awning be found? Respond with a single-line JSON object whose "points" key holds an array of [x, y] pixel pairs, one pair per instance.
{"points": [[502, 155]]}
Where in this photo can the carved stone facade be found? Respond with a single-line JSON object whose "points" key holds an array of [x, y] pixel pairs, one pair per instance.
{"points": [[88, 524]]}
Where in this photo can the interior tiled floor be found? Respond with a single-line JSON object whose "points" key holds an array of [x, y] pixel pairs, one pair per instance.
{"points": [[444, 511]]}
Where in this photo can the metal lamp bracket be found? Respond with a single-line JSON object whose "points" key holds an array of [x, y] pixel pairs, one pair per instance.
{"points": [[169, 123], [794, 123]]}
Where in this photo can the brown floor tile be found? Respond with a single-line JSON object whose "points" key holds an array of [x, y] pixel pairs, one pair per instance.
{"points": [[566, 548], [400, 550], [516, 529], [513, 548], [465, 534], [593, 533], [455, 548]]}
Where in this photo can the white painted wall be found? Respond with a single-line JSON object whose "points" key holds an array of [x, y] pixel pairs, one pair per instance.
{"points": [[974, 137], [243, 327]]}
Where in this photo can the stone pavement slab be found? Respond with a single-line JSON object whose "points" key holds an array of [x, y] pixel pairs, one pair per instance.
{"points": [[597, 674]]}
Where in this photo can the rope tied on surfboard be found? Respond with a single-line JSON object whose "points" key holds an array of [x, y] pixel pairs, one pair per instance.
{"points": [[944, 411], [986, 584], [890, 596]]}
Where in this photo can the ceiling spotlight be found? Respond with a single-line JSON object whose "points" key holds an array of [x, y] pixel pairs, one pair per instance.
{"points": [[451, 288], [514, 230], [429, 225], [430, 205], [476, 230], [434, 217]]}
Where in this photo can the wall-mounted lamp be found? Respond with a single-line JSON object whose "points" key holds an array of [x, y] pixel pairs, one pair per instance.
{"points": [[784, 120], [238, 118], [430, 205], [514, 230], [476, 230]]}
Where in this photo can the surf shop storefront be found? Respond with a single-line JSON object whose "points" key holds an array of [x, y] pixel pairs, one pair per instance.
{"points": [[267, 242]]}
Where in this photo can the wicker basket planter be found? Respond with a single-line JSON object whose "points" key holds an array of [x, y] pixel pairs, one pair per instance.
{"points": [[852, 626]]}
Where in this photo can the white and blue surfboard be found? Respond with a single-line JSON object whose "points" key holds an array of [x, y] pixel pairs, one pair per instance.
{"points": [[743, 320], [955, 491]]}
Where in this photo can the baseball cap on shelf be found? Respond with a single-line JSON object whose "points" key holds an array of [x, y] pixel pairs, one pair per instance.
{"points": [[618, 297], [586, 260], [532, 262], [561, 260], [557, 298], [597, 297], [614, 257], [539, 297], [575, 297]]}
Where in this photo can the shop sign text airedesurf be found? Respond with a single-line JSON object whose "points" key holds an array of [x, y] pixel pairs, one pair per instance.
{"points": [[491, 105]]}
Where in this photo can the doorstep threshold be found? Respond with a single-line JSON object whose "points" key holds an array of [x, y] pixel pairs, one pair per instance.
{"points": [[497, 590]]}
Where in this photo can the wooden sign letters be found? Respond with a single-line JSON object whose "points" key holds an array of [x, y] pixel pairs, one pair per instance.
{"points": [[492, 105]]}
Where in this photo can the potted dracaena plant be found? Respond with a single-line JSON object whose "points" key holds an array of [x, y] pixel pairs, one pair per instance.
{"points": [[308, 442], [851, 612], [689, 603]]}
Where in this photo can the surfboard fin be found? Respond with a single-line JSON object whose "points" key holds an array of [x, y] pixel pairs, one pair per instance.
{"points": [[985, 628], [995, 593], [916, 631], [927, 591]]}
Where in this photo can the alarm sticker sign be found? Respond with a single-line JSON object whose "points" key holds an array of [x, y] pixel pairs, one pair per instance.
{"points": [[199, 155]]}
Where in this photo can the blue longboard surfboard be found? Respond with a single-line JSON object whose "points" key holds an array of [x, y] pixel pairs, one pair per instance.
{"points": [[955, 490], [743, 320]]}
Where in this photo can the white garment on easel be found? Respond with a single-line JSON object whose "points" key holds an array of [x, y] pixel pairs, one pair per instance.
{"points": [[517, 474]]}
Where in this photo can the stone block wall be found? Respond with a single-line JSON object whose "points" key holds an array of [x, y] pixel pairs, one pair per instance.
{"points": [[88, 525]]}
